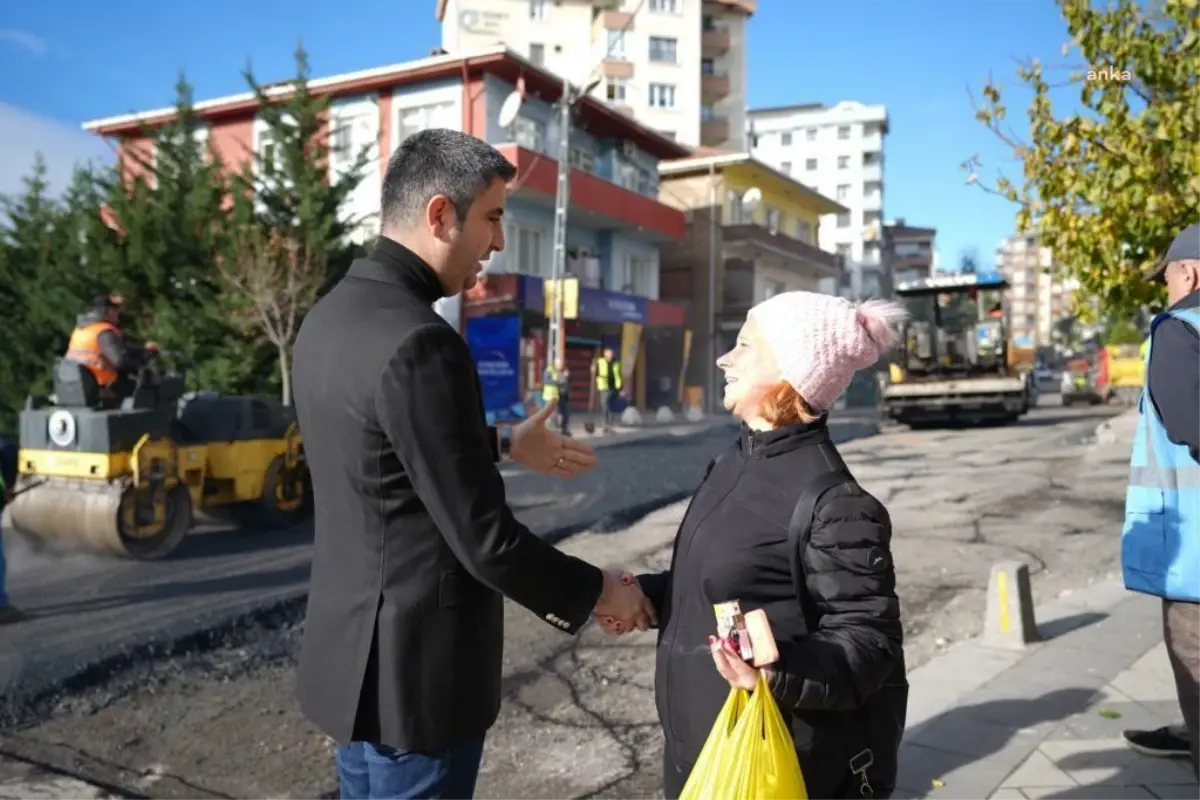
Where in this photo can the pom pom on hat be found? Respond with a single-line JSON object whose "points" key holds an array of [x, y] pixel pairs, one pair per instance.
{"points": [[820, 340]]}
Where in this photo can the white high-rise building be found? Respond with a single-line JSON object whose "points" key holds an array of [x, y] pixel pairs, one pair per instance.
{"points": [[1037, 297], [837, 150], [678, 66]]}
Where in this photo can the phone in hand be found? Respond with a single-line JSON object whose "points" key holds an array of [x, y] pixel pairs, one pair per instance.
{"points": [[749, 633]]}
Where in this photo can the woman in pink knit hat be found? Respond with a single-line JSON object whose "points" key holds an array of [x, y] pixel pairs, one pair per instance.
{"points": [[780, 524]]}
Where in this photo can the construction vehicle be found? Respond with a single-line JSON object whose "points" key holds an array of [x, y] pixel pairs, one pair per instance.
{"points": [[1121, 373], [1079, 383], [127, 476], [955, 361]]}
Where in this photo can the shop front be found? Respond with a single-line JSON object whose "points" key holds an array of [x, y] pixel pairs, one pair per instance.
{"points": [[647, 337]]}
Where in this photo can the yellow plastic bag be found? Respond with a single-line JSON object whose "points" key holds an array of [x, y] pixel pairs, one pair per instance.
{"points": [[749, 755]]}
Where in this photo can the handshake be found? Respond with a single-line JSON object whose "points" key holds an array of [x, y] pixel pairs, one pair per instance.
{"points": [[622, 606]]}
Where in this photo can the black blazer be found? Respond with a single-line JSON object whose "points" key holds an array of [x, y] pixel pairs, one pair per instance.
{"points": [[415, 544]]}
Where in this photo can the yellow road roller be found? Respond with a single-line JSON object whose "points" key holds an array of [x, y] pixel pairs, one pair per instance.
{"points": [[126, 476]]}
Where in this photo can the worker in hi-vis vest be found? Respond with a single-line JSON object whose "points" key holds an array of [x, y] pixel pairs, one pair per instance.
{"points": [[606, 374], [556, 383]]}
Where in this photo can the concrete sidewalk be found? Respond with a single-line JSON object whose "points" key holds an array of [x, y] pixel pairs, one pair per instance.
{"points": [[1047, 721]]}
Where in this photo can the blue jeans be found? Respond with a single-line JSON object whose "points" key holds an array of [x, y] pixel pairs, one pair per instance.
{"points": [[369, 771]]}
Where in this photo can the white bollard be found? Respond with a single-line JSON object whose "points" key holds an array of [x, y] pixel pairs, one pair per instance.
{"points": [[664, 415]]}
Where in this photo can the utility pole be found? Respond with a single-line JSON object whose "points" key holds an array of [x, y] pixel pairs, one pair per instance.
{"points": [[556, 348], [710, 391]]}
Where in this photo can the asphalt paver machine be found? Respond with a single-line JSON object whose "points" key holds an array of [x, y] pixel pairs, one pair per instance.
{"points": [[956, 362]]}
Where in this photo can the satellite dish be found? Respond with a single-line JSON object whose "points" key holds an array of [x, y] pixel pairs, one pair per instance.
{"points": [[509, 110], [752, 198]]}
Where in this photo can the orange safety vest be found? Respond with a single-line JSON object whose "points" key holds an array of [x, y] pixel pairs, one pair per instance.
{"points": [[84, 348]]}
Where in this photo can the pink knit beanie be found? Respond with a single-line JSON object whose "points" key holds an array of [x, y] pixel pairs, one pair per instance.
{"points": [[820, 340]]}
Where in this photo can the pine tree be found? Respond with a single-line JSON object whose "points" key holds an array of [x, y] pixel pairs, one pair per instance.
{"points": [[289, 234], [31, 274], [173, 236]]}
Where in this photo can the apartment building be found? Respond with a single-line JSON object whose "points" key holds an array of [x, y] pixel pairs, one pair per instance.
{"points": [[616, 222], [752, 233], [908, 251], [1037, 299], [838, 151], [677, 66]]}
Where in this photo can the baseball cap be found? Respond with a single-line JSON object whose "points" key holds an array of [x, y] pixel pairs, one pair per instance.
{"points": [[1186, 247]]}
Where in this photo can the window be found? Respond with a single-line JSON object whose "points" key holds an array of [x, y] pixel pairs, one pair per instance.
{"points": [[616, 45], [615, 89], [639, 277], [662, 49], [786, 168], [582, 159], [537, 53], [708, 67], [418, 118], [665, 6], [843, 251], [810, 164], [537, 9], [774, 217], [772, 288], [811, 134], [844, 220], [804, 231], [843, 191], [341, 143], [527, 133], [843, 131], [662, 95], [785, 138], [528, 252], [707, 23], [843, 162], [707, 112]]}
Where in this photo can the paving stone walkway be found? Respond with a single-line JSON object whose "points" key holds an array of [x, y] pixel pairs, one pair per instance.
{"points": [[1047, 721]]}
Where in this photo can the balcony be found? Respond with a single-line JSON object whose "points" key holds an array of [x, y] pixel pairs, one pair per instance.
{"points": [[873, 201], [613, 21], [751, 240], [714, 132], [745, 6], [872, 143], [714, 42], [613, 68], [714, 87], [595, 202], [872, 171]]}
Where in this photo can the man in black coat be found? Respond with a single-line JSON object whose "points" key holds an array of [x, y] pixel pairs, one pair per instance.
{"points": [[415, 545]]}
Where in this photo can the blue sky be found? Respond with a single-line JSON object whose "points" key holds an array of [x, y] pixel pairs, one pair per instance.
{"points": [[59, 67]]}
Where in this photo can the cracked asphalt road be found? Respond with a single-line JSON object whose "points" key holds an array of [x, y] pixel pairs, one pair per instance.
{"points": [[578, 718]]}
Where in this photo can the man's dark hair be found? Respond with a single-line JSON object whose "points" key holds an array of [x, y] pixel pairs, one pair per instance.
{"points": [[439, 161]]}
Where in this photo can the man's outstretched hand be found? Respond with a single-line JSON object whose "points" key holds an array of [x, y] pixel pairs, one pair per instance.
{"points": [[622, 606], [536, 447]]}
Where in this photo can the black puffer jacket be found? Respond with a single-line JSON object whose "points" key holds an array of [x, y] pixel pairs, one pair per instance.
{"points": [[733, 545]]}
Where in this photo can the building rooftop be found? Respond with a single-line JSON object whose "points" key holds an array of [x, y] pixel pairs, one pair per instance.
{"points": [[596, 116], [702, 164]]}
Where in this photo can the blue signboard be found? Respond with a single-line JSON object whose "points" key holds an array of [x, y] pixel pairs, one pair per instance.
{"points": [[495, 343], [533, 293], [954, 280], [598, 305]]}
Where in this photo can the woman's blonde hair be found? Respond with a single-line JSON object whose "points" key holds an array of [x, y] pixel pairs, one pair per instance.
{"points": [[782, 405]]}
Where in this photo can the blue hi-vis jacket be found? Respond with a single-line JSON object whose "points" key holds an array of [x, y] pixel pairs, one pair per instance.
{"points": [[1160, 543]]}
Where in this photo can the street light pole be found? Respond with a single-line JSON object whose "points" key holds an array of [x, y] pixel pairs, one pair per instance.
{"points": [[710, 391], [557, 341]]}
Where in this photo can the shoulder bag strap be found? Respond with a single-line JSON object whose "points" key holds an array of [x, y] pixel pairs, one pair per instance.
{"points": [[798, 530]]}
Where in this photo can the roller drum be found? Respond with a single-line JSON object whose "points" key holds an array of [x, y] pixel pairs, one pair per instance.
{"points": [[69, 513], [76, 513]]}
